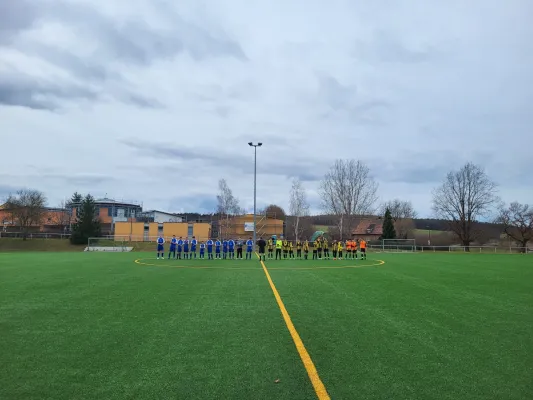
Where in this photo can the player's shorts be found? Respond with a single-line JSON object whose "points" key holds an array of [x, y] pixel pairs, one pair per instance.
{"points": [[179, 249], [363, 250], [261, 251], [172, 249], [159, 247], [218, 250], [193, 249]]}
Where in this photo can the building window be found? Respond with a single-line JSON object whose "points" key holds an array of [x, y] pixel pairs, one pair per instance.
{"points": [[160, 228], [190, 230]]}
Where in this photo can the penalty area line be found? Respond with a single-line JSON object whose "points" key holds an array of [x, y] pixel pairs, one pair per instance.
{"points": [[312, 372]]}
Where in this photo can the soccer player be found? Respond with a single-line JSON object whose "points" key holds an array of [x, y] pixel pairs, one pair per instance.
{"points": [[334, 249], [172, 250], [271, 248], [202, 250], [186, 248], [210, 249], [306, 249], [362, 248], [291, 249], [319, 248], [180, 247], [348, 249], [160, 247], [325, 246], [218, 244], [240, 244], [249, 249], [231, 248], [225, 249], [194, 243], [354, 249], [315, 249], [279, 246], [339, 250], [298, 250], [261, 244], [285, 249]]}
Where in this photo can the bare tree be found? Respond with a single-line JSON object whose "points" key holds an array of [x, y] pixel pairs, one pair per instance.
{"points": [[348, 190], [517, 221], [402, 213], [228, 205], [465, 196], [27, 208], [298, 207]]}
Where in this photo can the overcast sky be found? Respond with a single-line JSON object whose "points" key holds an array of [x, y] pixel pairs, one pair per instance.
{"points": [[155, 100]]}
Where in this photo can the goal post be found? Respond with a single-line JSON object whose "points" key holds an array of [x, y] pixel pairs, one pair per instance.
{"points": [[108, 245], [398, 245]]}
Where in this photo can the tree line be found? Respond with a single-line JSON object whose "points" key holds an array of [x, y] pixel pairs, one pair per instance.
{"points": [[348, 191], [465, 199]]}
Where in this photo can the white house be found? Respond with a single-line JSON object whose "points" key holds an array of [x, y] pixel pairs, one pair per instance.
{"points": [[161, 217]]}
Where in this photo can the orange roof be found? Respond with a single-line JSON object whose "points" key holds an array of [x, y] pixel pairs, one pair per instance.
{"points": [[369, 226]]}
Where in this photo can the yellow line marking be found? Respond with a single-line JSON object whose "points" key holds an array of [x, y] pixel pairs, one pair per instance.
{"points": [[140, 261], [319, 387]]}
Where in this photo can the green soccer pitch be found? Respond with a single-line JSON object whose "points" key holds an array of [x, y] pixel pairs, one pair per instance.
{"points": [[411, 326]]}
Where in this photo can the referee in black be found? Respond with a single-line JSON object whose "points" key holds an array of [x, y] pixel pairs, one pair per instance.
{"points": [[261, 244]]}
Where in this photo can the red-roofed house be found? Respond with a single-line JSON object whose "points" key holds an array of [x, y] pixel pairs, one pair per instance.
{"points": [[368, 229]]}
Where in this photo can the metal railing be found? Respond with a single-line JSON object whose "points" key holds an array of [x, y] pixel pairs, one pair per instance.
{"points": [[454, 249], [34, 235]]}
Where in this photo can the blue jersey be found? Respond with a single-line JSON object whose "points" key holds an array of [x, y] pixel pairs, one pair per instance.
{"points": [[217, 246], [194, 242], [225, 246], [180, 244], [173, 243], [202, 248], [249, 245], [160, 242], [231, 245], [209, 246], [186, 245]]}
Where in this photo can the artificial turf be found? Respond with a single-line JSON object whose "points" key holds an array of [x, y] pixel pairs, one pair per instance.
{"points": [[420, 326]]}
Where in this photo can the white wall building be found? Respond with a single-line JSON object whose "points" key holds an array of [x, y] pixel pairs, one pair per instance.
{"points": [[161, 217]]}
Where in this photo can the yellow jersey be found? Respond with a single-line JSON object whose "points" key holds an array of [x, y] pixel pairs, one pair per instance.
{"points": [[298, 245], [279, 244], [270, 243], [306, 246], [285, 245], [325, 245]]}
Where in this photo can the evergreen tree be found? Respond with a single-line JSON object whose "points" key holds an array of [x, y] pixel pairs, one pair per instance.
{"points": [[388, 226], [87, 222]]}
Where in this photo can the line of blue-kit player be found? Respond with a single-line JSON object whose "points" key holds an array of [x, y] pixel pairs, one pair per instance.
{"points": [[215, 249]]}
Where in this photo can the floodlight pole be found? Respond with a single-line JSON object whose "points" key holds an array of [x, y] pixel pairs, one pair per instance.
{"points": [[255, 146]]}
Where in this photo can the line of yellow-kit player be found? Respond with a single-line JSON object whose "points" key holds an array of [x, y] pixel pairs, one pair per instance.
{"points": [[279, 249]]}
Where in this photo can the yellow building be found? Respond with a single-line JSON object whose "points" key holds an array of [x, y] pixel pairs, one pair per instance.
{"points": [[150, 231], [242, 226]]}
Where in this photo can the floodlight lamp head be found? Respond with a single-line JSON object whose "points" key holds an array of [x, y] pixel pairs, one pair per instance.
{"points": [[259, 144], [250, 144]]}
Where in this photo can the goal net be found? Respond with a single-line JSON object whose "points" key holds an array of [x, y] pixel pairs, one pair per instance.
{"points": [[398, 245], [110, 245]]}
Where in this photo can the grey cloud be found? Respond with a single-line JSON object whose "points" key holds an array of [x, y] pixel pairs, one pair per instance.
{"points": [[282, 166], [337, 96], [15, 16], [66, 179], [386, 47], [344, 100], [137, 42], [25, 91], [202, 203]]}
